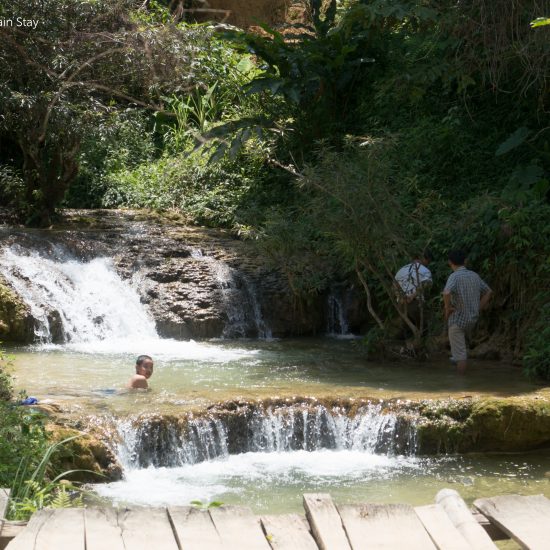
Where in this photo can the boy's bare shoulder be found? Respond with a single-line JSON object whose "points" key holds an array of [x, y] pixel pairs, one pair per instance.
{"points": [[138, 381]]}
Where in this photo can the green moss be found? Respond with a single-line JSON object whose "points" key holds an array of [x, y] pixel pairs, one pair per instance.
{"points": [[508, 424], [511, 424], [16, 324], [93, 461]]}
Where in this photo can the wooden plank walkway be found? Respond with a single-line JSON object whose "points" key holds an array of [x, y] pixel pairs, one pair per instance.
{"points": [[524, 519], [446, 525]]}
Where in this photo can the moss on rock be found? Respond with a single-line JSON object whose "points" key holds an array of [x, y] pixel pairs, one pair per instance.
{"points": [[485, 425], [91, 457], [513, 424], [16, 323]]}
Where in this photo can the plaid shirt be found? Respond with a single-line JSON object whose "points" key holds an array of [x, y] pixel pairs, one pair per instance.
{"points": [[466, 289]]}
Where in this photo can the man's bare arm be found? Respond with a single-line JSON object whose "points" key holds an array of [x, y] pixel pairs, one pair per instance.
{"points": [[485, 299]]}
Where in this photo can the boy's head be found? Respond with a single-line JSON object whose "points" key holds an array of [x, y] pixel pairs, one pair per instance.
{"points": [[144, 366], [457, 257]]}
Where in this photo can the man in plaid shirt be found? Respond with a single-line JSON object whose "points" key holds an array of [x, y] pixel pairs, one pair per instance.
{"points": [[464, 295]]}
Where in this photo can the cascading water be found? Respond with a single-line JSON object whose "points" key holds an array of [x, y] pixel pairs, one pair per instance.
{"points": [[74, 301], [243, 310], [337, 324], [259, 452], [158, 441]]}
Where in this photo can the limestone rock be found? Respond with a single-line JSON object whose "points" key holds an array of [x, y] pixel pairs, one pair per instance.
{"points": [[16, 322], [88, 454], [197, 282]]}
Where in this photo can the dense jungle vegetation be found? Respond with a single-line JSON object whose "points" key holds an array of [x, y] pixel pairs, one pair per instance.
{"points": [[341, 144]]}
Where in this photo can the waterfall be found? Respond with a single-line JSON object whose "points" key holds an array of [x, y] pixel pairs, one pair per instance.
{"points": [[170, 441], [166, 444], [242, 307], [336, 320], [75, 301]]}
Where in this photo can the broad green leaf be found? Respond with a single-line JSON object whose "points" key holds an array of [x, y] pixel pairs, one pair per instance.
{"points": [[513, 141]]}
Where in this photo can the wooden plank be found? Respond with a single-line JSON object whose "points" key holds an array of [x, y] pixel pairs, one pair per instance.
{"points": [[4, 500], [463, 520], [102, 529], [494, 531], [525, 519], [147, 529], [64, 530], [325, 522], [443, 533], [238, 528], [384, 526], [288, 532], [27, 538], [9, 530], [194, 529], [61, 529]]}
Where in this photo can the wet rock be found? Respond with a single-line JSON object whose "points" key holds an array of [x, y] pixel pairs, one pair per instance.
{"points": [[57, 333], [16, 322], [196, 282], [511, 424], [486, 350], [91, 457]]}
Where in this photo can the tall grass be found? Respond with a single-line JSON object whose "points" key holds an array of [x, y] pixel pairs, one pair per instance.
{"points": [[31, 489]]}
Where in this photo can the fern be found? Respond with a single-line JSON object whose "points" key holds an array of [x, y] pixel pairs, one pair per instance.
{"points": [[62, 499]]}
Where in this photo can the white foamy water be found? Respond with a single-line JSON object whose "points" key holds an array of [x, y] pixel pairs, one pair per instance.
{"points": [[93, 302], [161, 349], [100, 313], [260, 472]]}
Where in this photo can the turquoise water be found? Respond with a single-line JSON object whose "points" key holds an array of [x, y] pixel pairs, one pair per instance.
{"points": [[190, 374]]}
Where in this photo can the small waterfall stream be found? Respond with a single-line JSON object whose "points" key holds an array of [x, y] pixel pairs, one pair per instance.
{"points": [[337, 324], [74, 301], [242, 307]]}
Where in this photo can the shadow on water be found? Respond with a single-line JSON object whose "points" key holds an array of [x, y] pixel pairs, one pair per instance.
{"points": [[344, 363]]}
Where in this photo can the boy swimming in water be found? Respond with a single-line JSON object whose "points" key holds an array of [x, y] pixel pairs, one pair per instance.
{"points": [[144, 371]]}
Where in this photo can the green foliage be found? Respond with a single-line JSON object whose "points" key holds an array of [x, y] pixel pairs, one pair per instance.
{"points": [[211, 194], [205, 505], [79, 64], [51, 495], [312, 69], [22, 433], [22, 437], [6, 387], [32, 490], [537, 355], [25, 456], [120, 141], [540, 22]]}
